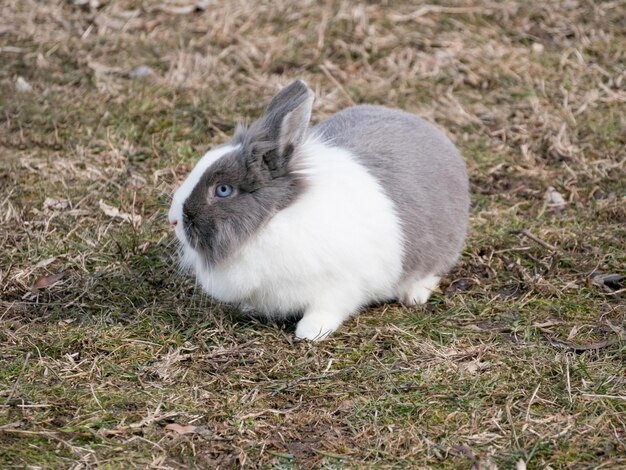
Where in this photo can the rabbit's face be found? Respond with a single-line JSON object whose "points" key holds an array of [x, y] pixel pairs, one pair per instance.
{"points": [[227, 198], [236, 188]]}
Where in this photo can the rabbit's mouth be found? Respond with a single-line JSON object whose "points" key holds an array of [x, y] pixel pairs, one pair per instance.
{"points": [[191, 235], [205, 241]]}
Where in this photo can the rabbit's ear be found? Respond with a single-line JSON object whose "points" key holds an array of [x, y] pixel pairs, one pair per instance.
{"points": [[288, 116], [282, 128]]}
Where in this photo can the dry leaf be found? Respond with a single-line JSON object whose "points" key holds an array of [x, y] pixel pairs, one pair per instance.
{"points": [[78, 212], [46, 281], [546, 324], [45, 262], [183, 429], [474, 366], [117, 214], [164, 367], [554, 198], [56, 204], [610, 282]]}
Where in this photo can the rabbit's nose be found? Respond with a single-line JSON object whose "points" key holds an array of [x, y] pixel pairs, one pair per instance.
{"points": [[174, 223]]}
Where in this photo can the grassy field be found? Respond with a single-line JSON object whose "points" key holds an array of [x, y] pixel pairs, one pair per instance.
{"points": [[110, 359]]}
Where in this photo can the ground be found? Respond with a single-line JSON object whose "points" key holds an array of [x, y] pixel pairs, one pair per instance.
{"points": [[110, 358]]}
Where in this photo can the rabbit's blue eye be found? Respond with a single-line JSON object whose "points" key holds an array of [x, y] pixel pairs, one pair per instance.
{"points": [[223, 190]]}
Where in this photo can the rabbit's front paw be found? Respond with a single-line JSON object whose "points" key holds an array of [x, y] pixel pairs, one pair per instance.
{"points": [[316, 327], [418, 292]]}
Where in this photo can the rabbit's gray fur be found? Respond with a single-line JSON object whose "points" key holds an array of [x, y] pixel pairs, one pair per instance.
{"points": [[419, 169]]}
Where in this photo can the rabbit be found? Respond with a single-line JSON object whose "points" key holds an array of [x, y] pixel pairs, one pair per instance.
{"points": [[368, 206]]}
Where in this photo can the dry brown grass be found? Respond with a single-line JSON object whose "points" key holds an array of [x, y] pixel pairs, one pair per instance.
{"points": [[115, 361]]}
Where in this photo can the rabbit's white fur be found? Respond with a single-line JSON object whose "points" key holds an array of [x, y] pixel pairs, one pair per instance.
{"points": [[416, 290], [337, 248]]}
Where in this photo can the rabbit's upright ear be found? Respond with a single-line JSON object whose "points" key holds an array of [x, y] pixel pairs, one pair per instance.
{"points": [[290, 112], [286, 121]]}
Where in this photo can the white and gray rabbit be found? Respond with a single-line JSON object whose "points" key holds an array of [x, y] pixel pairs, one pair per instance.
{"points": [[369, 205]]}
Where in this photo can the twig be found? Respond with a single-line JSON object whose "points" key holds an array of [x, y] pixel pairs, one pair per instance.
{"points": [[509, 416], [36, 405], [593, 395], [310, 378], [54, 435], [17, 381], [93, 392], [581, 347], [535, 238], [532, 398], [136, 427], [569, 383], [6, 276], [45, 433], [427, 9]]}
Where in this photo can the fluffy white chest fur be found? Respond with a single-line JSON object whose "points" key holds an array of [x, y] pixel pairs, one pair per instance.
{"points": [[311, 255]]}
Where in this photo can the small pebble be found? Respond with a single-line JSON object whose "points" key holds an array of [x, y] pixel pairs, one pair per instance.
{"points": [[22, 85], [141, 71]]}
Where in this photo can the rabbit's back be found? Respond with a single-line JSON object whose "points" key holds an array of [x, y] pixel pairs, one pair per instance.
{"points": [[419, 169]]}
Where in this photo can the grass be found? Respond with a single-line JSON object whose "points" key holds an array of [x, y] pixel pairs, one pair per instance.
{"points": [[517, 361]]}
